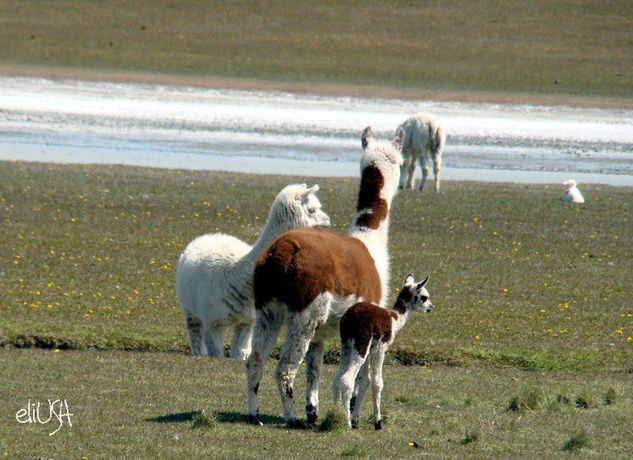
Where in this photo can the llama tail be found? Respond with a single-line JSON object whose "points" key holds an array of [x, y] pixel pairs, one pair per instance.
{"points": [[269, 276], [436, 137]]}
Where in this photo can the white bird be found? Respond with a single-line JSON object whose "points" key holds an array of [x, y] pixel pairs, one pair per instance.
{"points": [[572, 195]]}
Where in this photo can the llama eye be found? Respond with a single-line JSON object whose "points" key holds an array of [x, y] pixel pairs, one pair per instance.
{"points": [[424, 298], [312, 211]]}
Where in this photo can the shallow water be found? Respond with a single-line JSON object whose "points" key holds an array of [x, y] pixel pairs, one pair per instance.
{"points": [[277, 132]]}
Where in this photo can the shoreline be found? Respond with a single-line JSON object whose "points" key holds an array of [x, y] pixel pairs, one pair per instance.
{"points": [[339, 169], [253, 163], [61, 73]]}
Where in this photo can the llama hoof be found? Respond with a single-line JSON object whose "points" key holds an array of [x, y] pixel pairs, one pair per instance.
{"points": [[354, 424], [254, 420], [311, 414], [378, 425], [296, 425], [352, 404]]}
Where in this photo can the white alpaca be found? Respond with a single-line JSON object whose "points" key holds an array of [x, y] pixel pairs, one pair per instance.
{"points": [[572, 194], [367, 331], [309, 277], [214, 275], [424, 139]]}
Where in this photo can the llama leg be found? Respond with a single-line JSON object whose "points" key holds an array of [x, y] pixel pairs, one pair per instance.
{"points": [[425, 170], [352, 402], [344, 374], [241, 343], [411, 173], [343, 384], [437, 165], [299, 332], [377, 356], [314, 364], [404, 170], [268, 321], [213, 340], [194, 334], [363, 384], [337, 383]]}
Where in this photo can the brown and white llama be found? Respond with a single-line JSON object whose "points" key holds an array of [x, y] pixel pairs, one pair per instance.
{"points": [[367, 331], [310, 277]]}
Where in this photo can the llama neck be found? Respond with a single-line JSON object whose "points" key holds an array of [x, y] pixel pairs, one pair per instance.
{"points": [[243, 274], [400, 320], [274, 226], [371, 221], [368, 235]]}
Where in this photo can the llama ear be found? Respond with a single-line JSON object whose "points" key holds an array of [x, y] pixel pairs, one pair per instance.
{"points": [[423, 282], [366, 137], [307, 192], [399, 139], [409, 280]]}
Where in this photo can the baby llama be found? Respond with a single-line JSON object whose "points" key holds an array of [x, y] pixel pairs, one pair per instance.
{"points": [[367, 331], [309, 277], [214, 275], [424, 138]]}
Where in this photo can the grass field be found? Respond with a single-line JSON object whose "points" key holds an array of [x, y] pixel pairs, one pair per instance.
{"points": [[532, 302], [518, 276], [138, 405], [562, 48]]}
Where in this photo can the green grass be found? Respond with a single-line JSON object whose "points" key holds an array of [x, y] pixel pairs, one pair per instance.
{"points": [[528, 400], [539, 47], [334, 421], [518, 277], [577, 441], [143, 405], [530, 294], [203, 421]]}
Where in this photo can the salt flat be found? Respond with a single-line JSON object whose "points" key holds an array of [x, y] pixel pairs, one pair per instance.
{"points": [[78, 121]]}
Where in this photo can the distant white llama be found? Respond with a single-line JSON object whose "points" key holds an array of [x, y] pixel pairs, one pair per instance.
{"points": [[366, 332], [572, 194], [307, 278], [214, 275], [424, 139]]}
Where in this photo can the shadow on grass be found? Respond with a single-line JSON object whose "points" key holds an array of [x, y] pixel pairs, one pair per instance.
{"points": [[221, 417], [238, 417], [175, 418]]}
